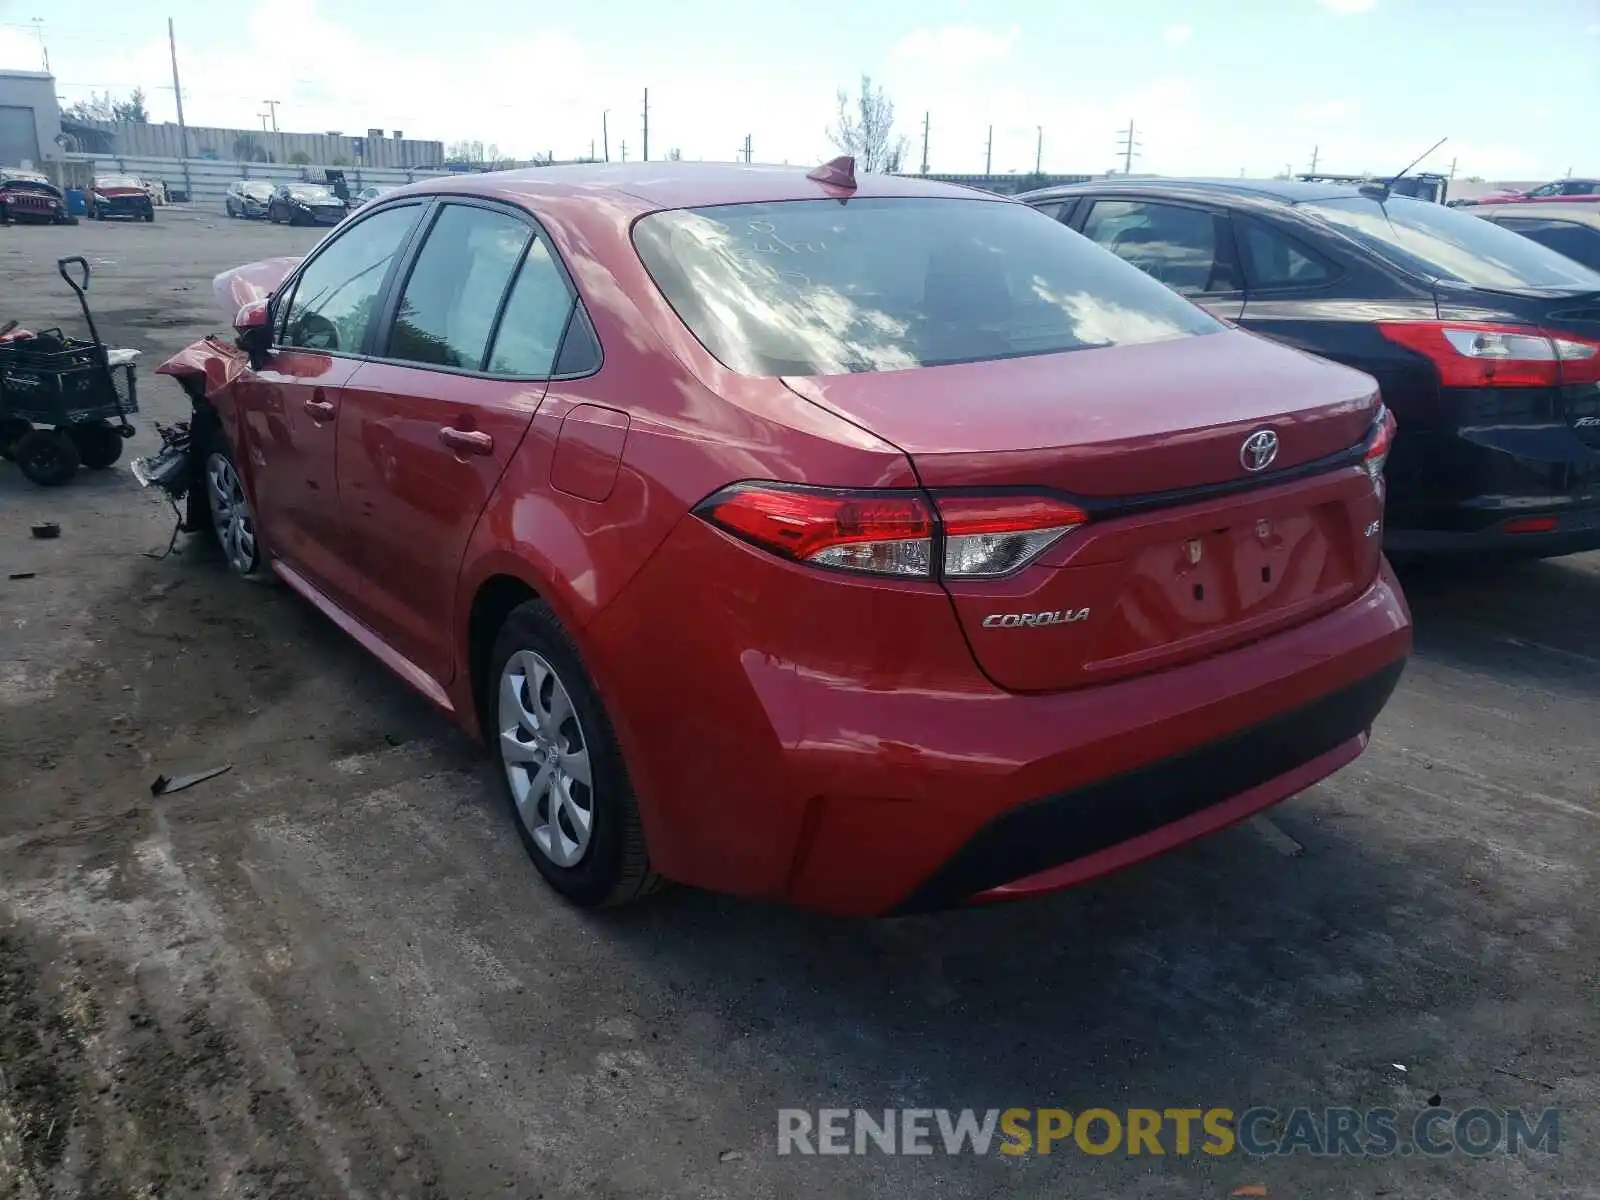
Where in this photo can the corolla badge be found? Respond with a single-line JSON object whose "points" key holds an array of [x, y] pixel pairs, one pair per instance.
{"points": [[1064, 616], [1258, 451]]}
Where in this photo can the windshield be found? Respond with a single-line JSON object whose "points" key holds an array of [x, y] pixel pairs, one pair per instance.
{"points": [[815, 287], [1443, 243], [256, 191], [117, 181], [312, 192]]}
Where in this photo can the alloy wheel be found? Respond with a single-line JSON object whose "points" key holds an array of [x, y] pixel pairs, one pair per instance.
{"points": [[230, 514], [546, 758]]}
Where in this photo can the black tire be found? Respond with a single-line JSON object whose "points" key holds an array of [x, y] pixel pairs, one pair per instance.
{"points": [[248, 564], [615, 867], [47, 457], [12, 430], [150, 216], [99, 444]]}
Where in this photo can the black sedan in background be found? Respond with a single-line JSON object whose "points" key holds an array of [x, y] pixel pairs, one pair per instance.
{"points": [[305, 204], [1486, 344], [248, 198], [1570, 229]]}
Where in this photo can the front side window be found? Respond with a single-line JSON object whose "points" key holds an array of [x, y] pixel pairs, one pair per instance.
{"points": [[336, 295], [450, 302], [1179, 246], [1447, 244], [816, 287]]}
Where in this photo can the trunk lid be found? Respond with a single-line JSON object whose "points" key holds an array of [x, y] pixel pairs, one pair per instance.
{"points": [[1186, 552]]}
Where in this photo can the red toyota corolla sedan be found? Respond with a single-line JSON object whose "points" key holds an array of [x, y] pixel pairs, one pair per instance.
{"points": [[870, 544]]}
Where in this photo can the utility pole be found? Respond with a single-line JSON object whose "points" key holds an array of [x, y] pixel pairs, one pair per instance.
{"points": [[925, 120], [1314, 158], [747, 149], [605, 134], [624, 149], [44, 52], [1129, 147], [1452, 170], [591, 149], [263, 117], [646, 125], [988, 153], [177, 96], [1038, 153], [272, 106]]}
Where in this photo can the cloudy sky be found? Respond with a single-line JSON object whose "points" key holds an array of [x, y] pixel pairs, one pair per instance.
{"points": [[1214, 87]]}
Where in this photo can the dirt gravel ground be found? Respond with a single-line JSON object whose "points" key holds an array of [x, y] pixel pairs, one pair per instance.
{"points": [[332, 972]]}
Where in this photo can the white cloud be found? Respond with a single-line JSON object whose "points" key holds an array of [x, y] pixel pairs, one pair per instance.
{"points": [[1346, 8], [956, 45], [1177, 35], [1327, 110]]}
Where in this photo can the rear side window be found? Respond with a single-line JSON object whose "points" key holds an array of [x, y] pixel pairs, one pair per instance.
{"points": [[816, 287], [1446, 243], [536, 314], [336, 295], [1273, 259], [1182, 247], [450, 302]]}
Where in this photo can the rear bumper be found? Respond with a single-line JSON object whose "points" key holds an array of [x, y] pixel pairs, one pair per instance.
{"points": [[842, 751]]}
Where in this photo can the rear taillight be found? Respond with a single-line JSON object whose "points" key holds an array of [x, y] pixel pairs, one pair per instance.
{"points": [[1474, 355], [986, 536], [893, 532], [1379, 442]]}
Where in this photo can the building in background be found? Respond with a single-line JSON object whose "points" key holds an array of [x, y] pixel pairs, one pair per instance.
{"points": [[30, 120]]}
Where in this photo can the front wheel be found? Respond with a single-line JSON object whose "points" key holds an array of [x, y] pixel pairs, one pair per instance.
{"points": [[99, 444], [563, 772], [232, 518]]}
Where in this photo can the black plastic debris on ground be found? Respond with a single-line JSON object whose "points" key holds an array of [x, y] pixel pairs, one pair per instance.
{"points": [[164, 786]]}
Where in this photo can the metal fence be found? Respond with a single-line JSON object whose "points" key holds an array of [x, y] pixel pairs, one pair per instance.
{"points": [[207, 181], [145, 140]]}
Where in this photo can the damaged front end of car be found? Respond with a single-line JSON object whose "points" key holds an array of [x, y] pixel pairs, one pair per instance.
{"points": [[207, 370]]}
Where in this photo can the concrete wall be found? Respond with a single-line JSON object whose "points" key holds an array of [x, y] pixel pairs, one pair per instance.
{"points": [[163, 141], [25, 93]]}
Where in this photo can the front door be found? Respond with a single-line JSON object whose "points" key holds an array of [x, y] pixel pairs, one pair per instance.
{"points": [[428, 426], [289, 404]]}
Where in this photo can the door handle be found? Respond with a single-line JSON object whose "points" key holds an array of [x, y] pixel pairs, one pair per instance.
{"points": [[320, 409], [467, 441]]}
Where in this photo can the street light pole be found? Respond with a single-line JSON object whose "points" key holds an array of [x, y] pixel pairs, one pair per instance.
{"points": [[605, 134]]}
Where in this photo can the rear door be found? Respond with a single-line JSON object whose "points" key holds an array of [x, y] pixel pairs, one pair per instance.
{"points": [[1188, 247], [289, 405], [461, 365]]}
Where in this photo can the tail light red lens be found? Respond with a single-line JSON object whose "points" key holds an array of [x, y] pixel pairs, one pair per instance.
{"points": [[1474, 355], [1378, 445], [893, 532]]}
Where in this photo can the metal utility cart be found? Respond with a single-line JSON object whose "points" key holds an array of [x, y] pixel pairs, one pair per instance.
{"points": [[64, 403]]}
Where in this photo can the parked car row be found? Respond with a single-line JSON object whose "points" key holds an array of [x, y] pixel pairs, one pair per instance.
{"points": [[1486, 344], [294, 203]]}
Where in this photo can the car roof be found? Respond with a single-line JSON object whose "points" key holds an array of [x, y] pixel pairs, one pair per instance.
{"points": [[1581, 213], [1261, 191], [645, 187]]}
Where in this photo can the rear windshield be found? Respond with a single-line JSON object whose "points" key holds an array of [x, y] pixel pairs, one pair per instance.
{"points": [[816, 287], [123, 181], [1443, 243]]}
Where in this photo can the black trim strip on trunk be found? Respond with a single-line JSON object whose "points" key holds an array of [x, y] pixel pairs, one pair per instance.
{"points": [[1062, 828]]}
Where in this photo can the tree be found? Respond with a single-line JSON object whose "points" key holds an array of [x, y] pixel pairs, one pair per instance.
{"points": [[132, 109], [866, 129], [300, 158], [674, 155]]}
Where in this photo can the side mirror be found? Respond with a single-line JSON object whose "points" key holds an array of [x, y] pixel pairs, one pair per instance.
{"points": [[253, 329]]}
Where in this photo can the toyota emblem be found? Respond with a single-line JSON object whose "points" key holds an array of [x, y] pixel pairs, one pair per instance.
{"points": [[1258, 451]]}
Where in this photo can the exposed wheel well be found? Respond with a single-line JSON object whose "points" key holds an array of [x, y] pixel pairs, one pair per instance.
{"points": [[496, 597]]}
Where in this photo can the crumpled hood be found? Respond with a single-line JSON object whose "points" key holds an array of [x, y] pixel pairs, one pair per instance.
{"points": [[110, 192], [249, 283]]}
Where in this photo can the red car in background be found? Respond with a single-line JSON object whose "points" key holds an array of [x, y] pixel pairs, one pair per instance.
{"points": [[866, 543], [1560, 191], [119, 196]]}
